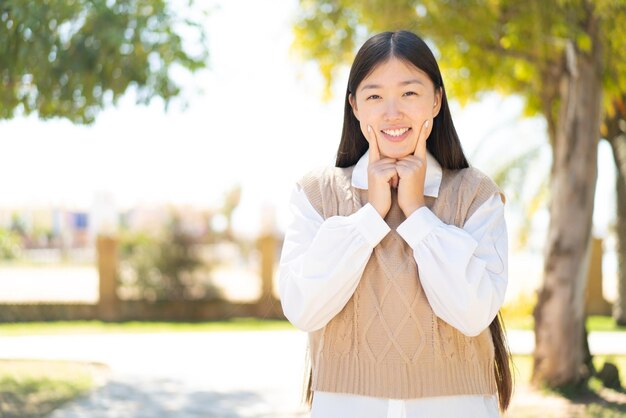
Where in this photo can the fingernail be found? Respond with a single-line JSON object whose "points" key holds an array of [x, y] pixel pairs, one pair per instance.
{"points": [[426, 124]]}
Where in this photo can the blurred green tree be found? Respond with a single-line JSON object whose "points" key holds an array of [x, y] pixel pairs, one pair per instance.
{"points": [[10, 244], [166, 264], [70, 59], [178, 258], [567, 58]]}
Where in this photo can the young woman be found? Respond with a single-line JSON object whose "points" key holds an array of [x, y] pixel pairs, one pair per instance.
{"points": [[396, 260]]}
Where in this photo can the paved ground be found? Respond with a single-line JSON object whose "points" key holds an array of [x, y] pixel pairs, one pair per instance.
{"points": [[217, 374], [230, 375]]}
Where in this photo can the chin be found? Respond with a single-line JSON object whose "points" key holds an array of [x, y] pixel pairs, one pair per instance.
{"points": [[398, 150], [397, 154]]}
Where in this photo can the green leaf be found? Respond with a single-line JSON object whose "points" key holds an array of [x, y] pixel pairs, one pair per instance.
{"points": [[583, 41]]}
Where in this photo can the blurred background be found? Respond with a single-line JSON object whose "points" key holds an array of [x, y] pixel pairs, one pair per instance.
{"points": [[149, 149]]}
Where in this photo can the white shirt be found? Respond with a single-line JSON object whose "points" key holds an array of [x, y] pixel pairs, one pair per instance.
{"points": [[322, 261]]}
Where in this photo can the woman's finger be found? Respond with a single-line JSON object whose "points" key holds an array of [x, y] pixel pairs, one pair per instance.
{"points": [[374, 151], [409, 161], [420, 148], [387, 160], [387, 171], [380, 164]]}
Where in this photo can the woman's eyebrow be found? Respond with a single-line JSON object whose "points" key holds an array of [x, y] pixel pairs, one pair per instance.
{"points": [[402, 83], [412, 81]]}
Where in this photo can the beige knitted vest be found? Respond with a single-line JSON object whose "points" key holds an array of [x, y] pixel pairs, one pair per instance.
{"points": [[387, 342]]}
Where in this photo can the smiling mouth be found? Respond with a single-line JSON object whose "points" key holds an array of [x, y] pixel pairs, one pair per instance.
{"points": [[395, 132], [395, 135]]}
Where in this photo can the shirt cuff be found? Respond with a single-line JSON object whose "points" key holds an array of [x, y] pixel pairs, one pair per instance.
{"points": [[419, 224], [370, 224]]}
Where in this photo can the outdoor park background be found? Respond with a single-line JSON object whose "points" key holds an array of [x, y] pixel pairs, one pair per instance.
{"points": [[225, 161]]}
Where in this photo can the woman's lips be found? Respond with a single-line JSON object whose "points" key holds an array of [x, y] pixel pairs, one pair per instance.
{"points": [[396, 135]]}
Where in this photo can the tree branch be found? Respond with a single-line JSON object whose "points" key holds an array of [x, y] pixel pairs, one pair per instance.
{"points": [[533, 59]]}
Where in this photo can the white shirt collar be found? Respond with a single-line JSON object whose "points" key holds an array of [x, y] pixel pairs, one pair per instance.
{"points": [[431, 183]]}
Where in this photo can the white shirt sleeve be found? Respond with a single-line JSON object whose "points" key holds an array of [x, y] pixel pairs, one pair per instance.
{"points": [[464, 272], [322, 260]]}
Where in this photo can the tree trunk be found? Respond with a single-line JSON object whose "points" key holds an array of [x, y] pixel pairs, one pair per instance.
{"points": [[616, 136], [559, 357]]}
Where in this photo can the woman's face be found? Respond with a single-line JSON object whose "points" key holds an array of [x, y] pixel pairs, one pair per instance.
{"points": [[395, 100]]}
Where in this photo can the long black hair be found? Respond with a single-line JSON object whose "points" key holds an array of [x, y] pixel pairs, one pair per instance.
{"points": [[443, 142]]}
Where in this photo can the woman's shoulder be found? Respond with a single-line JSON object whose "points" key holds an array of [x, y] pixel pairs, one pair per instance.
{"points": [[326, 186], [470, 173], [471, 178], [321, 177]]}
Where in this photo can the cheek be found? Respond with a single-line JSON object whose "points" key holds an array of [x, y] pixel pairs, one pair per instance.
{"points": [[366, 117], [422, 110], [366, 113]]}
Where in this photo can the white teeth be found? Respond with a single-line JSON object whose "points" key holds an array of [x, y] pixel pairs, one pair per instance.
{"points": [[395, 132]]}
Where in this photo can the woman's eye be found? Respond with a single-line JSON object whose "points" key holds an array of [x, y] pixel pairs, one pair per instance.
{"points": [[410, 93], [373, 96]]}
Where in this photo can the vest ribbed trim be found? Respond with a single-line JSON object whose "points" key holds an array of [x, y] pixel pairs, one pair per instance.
{"points": [[353, 375]]}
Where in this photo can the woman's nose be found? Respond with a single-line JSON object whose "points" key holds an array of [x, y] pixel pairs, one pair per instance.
{"points": [[392, 110]]}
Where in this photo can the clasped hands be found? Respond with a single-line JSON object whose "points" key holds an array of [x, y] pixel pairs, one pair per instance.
{"points": [[407, 174]]}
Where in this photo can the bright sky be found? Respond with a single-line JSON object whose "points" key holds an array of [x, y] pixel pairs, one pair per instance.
{"points": [[259, 123]]}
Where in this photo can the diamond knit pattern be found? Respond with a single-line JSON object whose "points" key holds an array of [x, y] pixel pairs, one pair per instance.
{"points": [[394, 299]]}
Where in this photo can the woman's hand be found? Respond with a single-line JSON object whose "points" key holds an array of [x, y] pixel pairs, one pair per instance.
{"points": [[412, 172], [381, 176]]}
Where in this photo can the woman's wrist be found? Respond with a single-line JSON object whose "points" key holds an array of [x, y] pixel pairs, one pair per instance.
{"points": [[413, 207]]}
